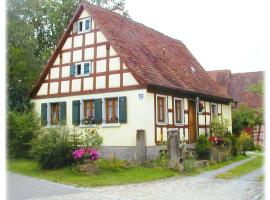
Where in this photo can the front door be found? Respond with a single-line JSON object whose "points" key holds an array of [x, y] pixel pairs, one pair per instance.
{"points": [[192, 135]]}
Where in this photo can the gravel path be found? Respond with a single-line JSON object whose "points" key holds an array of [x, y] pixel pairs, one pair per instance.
{"points": [[200, 187]]}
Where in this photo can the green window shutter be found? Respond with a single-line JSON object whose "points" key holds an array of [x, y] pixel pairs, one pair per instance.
{"points": [[44, 114], [86, 68], [63, 113], [98, 111], [76, 112], [72, 70], [123, 109]]}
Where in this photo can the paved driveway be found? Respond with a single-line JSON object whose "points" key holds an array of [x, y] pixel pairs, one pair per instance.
{"points": [[202, 187]]}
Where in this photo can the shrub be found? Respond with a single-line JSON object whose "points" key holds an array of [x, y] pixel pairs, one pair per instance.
{"points": [[22, 129], [162, 160], [189, 163], [203, 147], [92, 138], [245, 142], [53, 148], [219, 127]]}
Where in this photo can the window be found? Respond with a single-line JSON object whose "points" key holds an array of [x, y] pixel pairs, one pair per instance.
{"points": [[214, 110], [89, 109], [55, 113], [84, 25], [82, 69], [178, 111], [112, 110], [161, 109]]}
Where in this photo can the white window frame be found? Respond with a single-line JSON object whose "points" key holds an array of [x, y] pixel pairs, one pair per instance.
{"points": [[182, 111], [165, 111], [211, 110], [82, 69], [83, 25]]}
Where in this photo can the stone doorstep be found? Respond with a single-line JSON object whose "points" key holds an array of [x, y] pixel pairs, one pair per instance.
{"points": [[201, 163]]}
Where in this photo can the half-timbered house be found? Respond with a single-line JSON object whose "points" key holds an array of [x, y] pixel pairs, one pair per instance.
{"points": [[125, 76]]}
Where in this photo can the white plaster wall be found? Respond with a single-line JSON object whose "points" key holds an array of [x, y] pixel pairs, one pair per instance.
{"points": [[124, 134], [165, 134], [185, 104], [66, 57], [112, 51], [227, 114], [55, 73], [124, 66], [101, 66], [89, 38], [114, 64], [53, 87], [186, 119], [88, 83], [201, 119], [128, 79], [43, 89], [65, 71], [101, 51], [149, 112], [100, 82], [201, 131], [68, 43], [207, 106], [114, 80], [208, 120], [159, 134], [89, 53], [57, 60], [64, 86], [47, 77], [77, 56], [101, 37], [219, 108], [169, 102], [76, 85], [170, 116], [84, 14], [78, 41]]}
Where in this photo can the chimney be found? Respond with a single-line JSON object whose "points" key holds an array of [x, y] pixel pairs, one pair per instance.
{"points": [[118, 10]]}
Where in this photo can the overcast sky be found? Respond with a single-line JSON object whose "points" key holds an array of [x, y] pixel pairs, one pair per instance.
{"points": [[221, 34]]}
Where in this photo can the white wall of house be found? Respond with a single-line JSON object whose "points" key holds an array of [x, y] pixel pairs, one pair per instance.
{"points": [[140, 115]]}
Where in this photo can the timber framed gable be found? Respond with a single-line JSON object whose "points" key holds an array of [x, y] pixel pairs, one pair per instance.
{"points": [[108, 71]]}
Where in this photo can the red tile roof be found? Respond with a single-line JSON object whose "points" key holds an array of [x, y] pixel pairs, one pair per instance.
{"points": [[236, 85], [153, 57]]}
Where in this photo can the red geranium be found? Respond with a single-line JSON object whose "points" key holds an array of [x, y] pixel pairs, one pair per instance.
{"points": [[216, 140]]}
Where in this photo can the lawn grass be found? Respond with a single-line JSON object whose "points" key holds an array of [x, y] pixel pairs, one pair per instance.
{"points": [[243, 169], [107, 176]]}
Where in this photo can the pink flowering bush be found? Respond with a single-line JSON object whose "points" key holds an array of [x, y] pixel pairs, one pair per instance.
{"points": [[86, 153]]}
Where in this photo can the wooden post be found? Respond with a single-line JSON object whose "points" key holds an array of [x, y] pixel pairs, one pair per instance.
{"points": [[140, 147], [173, 148]]}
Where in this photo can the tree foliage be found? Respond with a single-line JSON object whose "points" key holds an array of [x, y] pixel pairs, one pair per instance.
{"points": [[257, 88], [34, 28]]}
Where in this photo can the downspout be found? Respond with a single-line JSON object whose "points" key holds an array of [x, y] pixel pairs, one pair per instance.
{"points": [[197, 111]]}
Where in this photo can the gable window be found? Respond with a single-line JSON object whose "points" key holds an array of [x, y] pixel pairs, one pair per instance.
{"points": [[214, 110], [161, 109], [88, 108], [178, 111], [84, 25], [111, 110], [54, 113], [81, 69]]}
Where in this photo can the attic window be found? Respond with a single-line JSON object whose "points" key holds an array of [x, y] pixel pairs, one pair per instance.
{"points": [[193, 69], [84, 25]]}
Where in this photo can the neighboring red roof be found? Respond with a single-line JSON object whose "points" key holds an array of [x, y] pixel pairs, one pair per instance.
{"points": [[152, 57], [237, 85]]}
